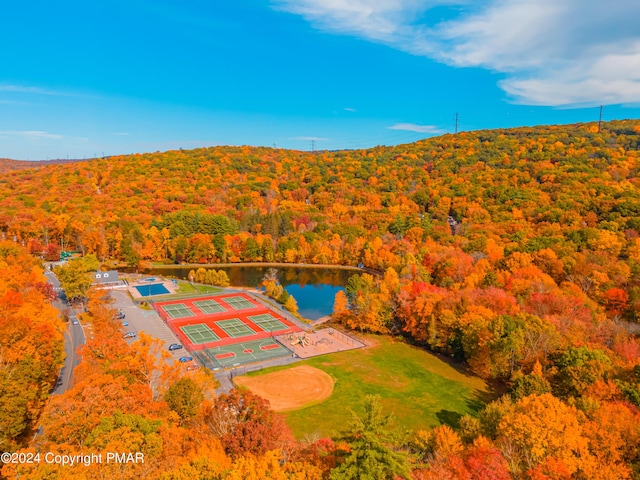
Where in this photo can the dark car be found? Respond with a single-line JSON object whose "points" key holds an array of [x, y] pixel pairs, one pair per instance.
{"points": [[186, 359], [174, 346]]}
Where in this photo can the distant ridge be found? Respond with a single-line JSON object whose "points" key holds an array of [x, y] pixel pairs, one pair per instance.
{"points": [[7, 164]]}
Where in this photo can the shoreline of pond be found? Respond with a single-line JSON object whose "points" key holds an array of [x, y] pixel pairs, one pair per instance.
{"points": [[267, 265], [314, 286]]}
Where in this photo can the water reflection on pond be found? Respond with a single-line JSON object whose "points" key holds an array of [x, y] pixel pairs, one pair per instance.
{"points": [[313, 288]]}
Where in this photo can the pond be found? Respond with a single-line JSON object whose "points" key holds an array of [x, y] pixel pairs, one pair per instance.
{"points": [[313, 288]]}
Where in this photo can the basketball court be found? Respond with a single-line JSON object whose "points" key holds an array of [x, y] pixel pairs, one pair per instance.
{"points": [[245, 352]]}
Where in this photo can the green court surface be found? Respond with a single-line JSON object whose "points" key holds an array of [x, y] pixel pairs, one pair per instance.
{"points": [[178, 310], [246, 352], [238, 303], [209, 306], [199, 333], [268, 322], [235, 328]]}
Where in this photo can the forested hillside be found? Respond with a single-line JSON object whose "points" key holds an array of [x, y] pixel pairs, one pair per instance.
{"points": [[514, 251], [8, 165]]}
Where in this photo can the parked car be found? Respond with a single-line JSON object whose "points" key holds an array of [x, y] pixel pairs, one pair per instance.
{"points": [[125, 324], [174, 346], [130, 335], [186, 359]]}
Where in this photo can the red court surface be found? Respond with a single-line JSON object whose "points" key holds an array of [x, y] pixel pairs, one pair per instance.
{"points": [[191, 312]]}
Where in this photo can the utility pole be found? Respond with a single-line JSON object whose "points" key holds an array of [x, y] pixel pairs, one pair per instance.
{"points": [[600, 119], [456, 122], [313, 145]]}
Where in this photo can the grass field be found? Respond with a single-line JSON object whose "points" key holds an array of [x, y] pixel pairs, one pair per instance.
{"points": [[186, 287], [419, 388]]}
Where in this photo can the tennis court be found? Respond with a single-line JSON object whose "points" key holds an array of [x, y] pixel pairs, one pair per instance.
{"points": [[238, 303], [209, 307], [178, 310], [207, 322], [246, 352], [199, 333], [235, 328], [267, 322]]}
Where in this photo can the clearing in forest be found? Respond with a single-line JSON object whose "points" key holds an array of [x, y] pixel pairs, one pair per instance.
{"points": [[419, 388]]}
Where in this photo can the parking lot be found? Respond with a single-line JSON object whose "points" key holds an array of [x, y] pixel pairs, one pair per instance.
{"points": [[145, 320]]}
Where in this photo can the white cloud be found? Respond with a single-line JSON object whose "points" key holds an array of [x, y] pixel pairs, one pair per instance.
{"points": [[33, 134], [32, 90], [349, 109], [383, 21], [12, 102], [412, 127], [560, 53]]}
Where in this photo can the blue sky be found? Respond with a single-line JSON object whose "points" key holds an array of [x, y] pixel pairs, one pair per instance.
{"points": [[80, 79]]}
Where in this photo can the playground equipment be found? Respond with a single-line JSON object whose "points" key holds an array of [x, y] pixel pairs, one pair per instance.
{"points": [[301, 340]]}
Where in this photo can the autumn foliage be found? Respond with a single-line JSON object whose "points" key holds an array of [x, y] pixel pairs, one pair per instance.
{"points": [[514, 252]]}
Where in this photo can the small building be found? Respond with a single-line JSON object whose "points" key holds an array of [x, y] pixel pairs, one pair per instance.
{"points": [[106, 279]]}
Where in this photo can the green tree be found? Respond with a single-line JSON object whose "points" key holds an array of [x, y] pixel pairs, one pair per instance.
{"points": [[580, 367], [184, 397], [284, 297], [76, 277], [251, 250], [532, 384], [372, 454], [129, 252]]}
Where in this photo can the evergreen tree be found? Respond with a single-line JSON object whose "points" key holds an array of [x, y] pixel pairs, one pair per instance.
{"points": [[371, 454]]}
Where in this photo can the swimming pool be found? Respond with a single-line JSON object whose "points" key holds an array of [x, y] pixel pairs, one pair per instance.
{"points": [[149, 290]]}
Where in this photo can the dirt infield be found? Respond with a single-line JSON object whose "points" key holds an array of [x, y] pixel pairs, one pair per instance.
{"points": [[290, 389]]}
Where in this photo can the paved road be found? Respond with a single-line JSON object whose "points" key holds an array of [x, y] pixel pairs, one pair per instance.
{"points": [[73, 336]]}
